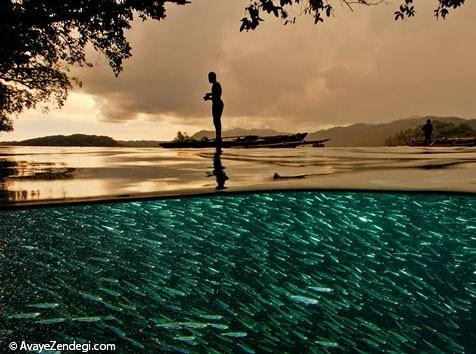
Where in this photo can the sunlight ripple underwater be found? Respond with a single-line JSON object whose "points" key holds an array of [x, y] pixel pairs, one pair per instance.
{"points": [[273, 272]]}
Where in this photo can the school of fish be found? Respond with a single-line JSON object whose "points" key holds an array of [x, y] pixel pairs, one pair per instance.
{"points": [[316, 272]]}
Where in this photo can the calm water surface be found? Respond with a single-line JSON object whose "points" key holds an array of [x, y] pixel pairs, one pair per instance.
{"points": [[39, 174]]}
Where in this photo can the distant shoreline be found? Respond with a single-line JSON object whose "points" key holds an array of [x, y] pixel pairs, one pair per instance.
{"points": [[355, 135]]}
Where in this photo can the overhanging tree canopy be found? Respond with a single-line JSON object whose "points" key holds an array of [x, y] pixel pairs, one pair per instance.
{"points": [[40, 38]]}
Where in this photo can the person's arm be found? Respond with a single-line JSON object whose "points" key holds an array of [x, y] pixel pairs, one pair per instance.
{"points": [[208, 96]]}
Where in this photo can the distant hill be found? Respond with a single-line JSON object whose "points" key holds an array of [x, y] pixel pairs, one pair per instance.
{"points": [[236, 132], [362, 134], [67, 140]]}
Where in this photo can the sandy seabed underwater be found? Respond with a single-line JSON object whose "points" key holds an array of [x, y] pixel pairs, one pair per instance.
{"points": [[273, 272]]}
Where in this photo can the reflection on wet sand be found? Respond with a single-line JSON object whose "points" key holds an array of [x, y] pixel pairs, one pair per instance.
{"points": [[44, 174]]}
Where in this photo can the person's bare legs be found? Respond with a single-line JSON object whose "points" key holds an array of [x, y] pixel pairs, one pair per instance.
{"points": [[217, 124], [217, 111]]}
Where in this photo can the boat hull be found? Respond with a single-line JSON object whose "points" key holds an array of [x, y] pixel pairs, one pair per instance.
{"points": [[250, 141]]}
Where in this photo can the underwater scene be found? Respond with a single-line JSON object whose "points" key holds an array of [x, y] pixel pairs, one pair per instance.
{"points": [[317, 272]]}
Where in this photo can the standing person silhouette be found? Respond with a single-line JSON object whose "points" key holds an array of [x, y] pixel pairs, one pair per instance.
{"points": [[427, 130], [217, 104]]}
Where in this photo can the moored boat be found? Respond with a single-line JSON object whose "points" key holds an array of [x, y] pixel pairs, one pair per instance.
{"points": [[247, 141]]}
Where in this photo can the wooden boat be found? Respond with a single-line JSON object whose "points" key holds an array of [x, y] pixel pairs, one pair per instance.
{"points": [[446, 142], [247, 141]]}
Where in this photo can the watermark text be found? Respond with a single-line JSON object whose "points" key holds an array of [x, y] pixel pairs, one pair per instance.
{"points": [[55, 346]]}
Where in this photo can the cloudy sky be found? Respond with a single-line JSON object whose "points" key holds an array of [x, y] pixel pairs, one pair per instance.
{"points": [[359, 66]]}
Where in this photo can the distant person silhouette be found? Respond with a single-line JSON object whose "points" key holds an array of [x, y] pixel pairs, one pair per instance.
{"points": [[427, 130], [217, 104]]}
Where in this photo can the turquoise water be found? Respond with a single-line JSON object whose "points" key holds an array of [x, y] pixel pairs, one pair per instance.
{"points": [[273, 272]]}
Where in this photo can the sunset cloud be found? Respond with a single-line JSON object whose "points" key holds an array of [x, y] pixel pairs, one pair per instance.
{"points": [[360, 66]]}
